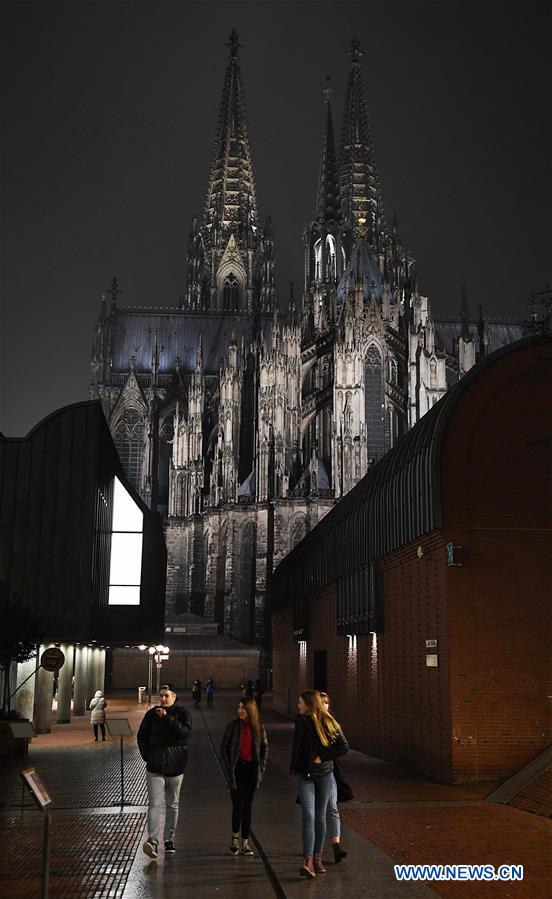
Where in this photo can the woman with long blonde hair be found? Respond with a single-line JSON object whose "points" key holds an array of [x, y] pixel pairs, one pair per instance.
{"points": [[317, 741], [341, 792], [243, 758]]}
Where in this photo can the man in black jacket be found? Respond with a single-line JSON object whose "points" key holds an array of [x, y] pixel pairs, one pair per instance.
{"points": [[163, 743]]}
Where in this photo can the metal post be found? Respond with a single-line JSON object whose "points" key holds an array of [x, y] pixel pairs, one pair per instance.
{"points": [[46, 856], [158, 674], [150, 676], [122, 777]]}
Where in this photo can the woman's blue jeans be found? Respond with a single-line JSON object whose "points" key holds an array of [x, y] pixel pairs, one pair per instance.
{"points": [[314, 795]]}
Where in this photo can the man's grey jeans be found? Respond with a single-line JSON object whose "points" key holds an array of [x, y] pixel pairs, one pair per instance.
{"points": [[163, 791]]}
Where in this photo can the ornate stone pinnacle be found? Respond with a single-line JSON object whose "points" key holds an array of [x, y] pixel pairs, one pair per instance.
{"points": [[327, 92], [114, 289]]}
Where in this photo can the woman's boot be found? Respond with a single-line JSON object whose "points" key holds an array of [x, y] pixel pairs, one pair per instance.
{"points": [[339, 853], [307, 868], [318, 865]]}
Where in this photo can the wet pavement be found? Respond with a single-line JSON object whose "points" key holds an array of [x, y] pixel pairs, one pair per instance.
{"points": [[396, 817]]}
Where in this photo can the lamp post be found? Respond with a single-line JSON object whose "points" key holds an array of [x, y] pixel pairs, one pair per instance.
{"points": [[151, 650], [161, 655]]}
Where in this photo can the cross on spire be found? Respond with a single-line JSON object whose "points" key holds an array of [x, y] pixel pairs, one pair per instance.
{"points": [[355, 52], [233, 42], [327, 92]]}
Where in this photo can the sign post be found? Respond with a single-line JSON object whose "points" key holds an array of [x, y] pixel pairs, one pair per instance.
{"points": [[39, 793], [120, 727]]}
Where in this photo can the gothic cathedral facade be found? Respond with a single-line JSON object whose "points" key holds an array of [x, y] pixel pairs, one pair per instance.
{"points": [[242, 425]]}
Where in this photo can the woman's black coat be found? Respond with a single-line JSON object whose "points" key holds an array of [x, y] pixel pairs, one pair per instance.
{"points": [[230, 750], [307, 745]]}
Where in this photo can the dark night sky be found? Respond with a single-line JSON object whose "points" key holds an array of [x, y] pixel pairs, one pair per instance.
{"points": [[109, 112]]}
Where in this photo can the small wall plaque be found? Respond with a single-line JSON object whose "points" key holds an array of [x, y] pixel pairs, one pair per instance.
{"points": [[432, 660], [431, 644]]}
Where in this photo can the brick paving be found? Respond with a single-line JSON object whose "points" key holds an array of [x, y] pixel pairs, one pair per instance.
{"points": [[404, 817], [91, 855], [488, 834]]}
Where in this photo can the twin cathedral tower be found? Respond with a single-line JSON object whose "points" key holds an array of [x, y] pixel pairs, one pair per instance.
{"points": [[243, 425]]}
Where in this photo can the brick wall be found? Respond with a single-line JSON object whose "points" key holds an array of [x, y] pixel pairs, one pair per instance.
{"points": [[497, 498], [389, 703], [131, 669], [484, 712]]}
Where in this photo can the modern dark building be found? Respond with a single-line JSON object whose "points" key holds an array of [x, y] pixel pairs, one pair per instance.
{"points": [[421, 602], [80, 549]]}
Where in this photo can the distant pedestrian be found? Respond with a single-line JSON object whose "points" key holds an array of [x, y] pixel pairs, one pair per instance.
{"points": [[98, 706], [317, 741], [210, 689], [243, 757], [163, 743], [341, 792], [196, 692], [258, 692], [247, 689]]}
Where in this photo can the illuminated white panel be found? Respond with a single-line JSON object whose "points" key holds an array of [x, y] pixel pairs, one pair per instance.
{"points": [[127, 515], [126, 559], [124, 596]]}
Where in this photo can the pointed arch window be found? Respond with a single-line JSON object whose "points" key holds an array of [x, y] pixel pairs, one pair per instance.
{"points": [[330, 248], [129, 439], [374, 403], [433, 374], [231, 293]]}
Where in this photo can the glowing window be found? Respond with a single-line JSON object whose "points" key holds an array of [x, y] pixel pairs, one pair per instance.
{"points": [[126, 549]]}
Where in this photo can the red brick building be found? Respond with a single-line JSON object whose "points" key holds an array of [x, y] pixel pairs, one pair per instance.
{"points": [[421, 603]]}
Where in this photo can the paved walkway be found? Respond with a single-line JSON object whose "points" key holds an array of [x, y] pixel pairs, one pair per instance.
{"points": [[396, 817]]}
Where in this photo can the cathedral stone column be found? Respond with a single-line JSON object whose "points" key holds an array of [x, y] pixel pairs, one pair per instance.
{"points": [[81, 672], [44, 690], [65, 684], [24, 698], [92, 674], [100, 671]]}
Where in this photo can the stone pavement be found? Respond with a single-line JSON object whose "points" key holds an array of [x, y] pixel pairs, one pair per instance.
{"points": [[396, 817]]}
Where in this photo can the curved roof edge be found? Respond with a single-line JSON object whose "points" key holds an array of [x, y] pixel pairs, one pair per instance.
{"points": [[51, 415]]}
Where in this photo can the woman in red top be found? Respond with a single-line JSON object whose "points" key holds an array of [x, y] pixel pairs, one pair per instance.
{"points": [[243, 757]]}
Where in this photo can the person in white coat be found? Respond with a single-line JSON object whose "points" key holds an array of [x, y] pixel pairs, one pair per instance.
{"points": [[98, 706]]}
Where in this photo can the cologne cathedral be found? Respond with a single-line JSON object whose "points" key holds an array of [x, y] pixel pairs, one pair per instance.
{"points": [[243, 424]]}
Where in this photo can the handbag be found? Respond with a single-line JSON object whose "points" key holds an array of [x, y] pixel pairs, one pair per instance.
{"points": [[344, 791]]}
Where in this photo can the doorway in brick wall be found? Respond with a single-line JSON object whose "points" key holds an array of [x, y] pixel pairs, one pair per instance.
{"points": [[320, 670]]}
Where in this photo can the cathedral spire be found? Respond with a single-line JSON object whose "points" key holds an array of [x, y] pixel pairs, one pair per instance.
{"points": [[328, 181], [231, 202], [358, 183]]}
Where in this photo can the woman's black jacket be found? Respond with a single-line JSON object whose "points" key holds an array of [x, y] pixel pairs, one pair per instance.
{"points": [[163, 740], [230, 750], [307, 745]]}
